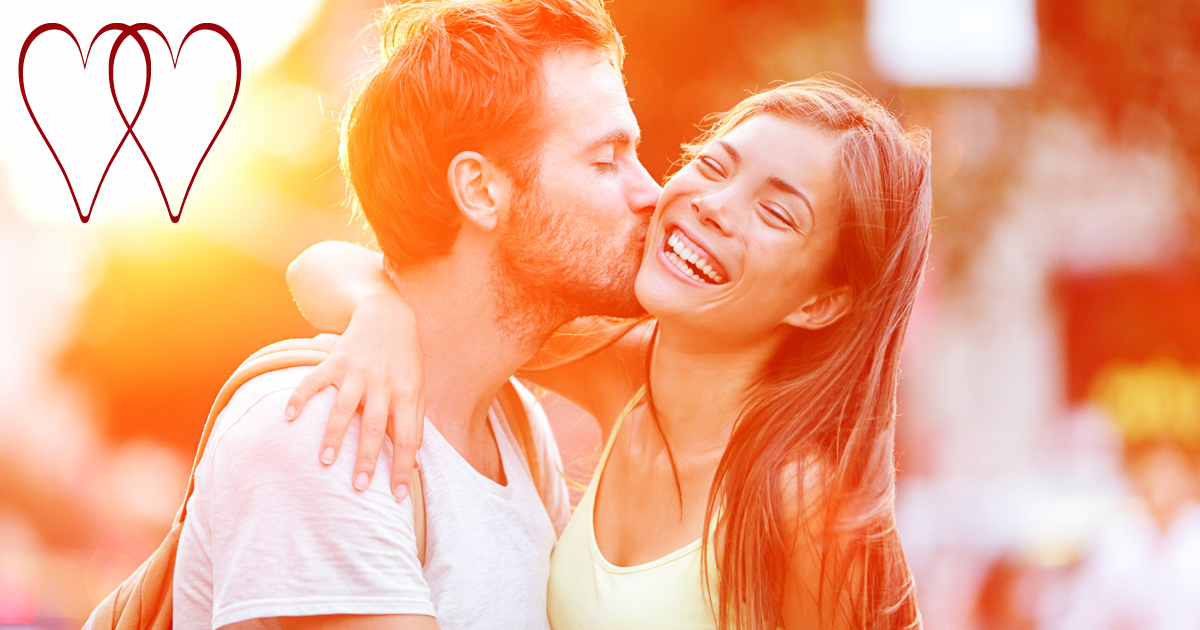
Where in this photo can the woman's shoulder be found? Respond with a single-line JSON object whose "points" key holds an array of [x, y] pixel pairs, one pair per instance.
{"points": [[804, 491]]}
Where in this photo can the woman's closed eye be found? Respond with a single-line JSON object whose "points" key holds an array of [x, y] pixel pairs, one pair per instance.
{"points": [[710, 167], [778, 217]]}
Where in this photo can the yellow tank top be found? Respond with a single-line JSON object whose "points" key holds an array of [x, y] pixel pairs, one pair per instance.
{"points": [[587, 592]]}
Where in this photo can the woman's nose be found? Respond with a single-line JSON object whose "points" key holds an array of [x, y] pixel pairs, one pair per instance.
{"points": [[711, 210]]}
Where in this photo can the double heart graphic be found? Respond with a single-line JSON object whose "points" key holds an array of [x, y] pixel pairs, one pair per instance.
{"points": [[129, 31]]}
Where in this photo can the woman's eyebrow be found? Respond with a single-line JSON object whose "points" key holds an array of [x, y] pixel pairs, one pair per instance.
{"points": [[773, 181], [737, 157]]}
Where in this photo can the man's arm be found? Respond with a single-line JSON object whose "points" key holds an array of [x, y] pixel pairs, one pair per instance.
{"points": [[289, 537], [359, 622]]}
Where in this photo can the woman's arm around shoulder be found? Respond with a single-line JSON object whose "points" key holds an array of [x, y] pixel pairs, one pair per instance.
{"points": [[376, 365], [330, 280], [343, 288]]}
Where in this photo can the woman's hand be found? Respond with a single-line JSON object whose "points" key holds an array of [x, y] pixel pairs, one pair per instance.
{"points": [[376, 365]]}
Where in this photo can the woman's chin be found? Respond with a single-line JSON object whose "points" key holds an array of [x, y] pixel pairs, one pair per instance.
{"points": [[670, 309], [654, 295]]}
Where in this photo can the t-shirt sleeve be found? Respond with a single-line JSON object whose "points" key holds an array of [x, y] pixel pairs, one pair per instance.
{"points": [[558, 496], [291, 537]]}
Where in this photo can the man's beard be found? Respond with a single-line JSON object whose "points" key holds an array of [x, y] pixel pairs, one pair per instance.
{"points": [[550, 269]]}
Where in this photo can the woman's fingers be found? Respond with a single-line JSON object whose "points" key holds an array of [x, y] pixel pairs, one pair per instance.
{"points": [[370, 439], [349, 394], [408, 424], [318, 379]]}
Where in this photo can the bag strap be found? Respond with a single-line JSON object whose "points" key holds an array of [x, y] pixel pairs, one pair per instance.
{"points": [[518, 421], [418, 506]]}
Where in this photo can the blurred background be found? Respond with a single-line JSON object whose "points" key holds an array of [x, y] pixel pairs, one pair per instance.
{"points": [[1050, 413]]}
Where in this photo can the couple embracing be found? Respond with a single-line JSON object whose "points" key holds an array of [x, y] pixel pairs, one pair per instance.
{"points": [[736, 334]]}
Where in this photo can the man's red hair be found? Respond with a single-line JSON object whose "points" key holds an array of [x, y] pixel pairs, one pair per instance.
{"points": [[455, 75]]}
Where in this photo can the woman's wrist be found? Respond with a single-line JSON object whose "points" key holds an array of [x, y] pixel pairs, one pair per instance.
{"points": [[382, 309]]}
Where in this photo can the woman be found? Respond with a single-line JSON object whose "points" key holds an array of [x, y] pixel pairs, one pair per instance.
{"points": [[749, 481]]}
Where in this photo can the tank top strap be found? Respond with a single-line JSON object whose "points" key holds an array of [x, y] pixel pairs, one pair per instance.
{"points": [[612, 438]]}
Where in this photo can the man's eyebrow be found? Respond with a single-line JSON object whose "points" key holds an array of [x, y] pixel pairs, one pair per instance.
{"points": [[785, 187], [619, 138]]}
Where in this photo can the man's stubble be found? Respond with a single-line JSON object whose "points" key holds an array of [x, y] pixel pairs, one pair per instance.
{"points": [[552, 267]]}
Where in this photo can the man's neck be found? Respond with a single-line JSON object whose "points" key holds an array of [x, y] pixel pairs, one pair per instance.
{"points": [[468, 349]]}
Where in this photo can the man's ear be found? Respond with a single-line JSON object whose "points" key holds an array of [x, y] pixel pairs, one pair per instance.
{"points": [[481, 190], [822, 310]]}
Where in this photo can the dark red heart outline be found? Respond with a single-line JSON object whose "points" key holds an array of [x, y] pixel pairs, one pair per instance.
{"points": [[37, 32], [131, 31], [237, 57]]}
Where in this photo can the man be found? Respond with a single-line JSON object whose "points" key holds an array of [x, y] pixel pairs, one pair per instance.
{"points": [[493, 152]]}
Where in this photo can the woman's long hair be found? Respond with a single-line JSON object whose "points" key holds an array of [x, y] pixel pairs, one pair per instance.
{"points": [[817, 431]]}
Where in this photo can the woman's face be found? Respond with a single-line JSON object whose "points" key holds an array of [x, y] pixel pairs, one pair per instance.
{"points": [[743, 235]]}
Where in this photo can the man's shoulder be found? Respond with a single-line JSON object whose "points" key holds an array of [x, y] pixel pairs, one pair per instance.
{"points": [[252, 422], [263, 398], [273, 532], [272, 370]]}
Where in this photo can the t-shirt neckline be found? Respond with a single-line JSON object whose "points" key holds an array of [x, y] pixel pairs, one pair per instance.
{"points": [[481, 480]]}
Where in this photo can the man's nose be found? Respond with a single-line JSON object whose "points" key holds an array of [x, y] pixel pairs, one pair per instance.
{"points": [[645, 192]]}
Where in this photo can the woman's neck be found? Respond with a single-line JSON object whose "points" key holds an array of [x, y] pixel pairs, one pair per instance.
{"points": [[699, 392]]}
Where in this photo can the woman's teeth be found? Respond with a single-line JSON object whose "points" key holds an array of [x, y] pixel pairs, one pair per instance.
{"points": [[690, 262]]}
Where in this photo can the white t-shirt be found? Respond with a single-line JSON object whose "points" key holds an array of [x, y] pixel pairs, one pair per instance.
{"points": [[272, 532]]}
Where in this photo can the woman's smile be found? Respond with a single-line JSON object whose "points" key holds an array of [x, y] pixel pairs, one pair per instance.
{"points": [[696, 262]]}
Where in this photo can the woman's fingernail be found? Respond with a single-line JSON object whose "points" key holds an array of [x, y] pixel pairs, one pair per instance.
{"points": [[400, 492], [361, 481], [290, 413], [327, 455]]}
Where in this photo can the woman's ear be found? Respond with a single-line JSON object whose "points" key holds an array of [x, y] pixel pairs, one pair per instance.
{"points": [[481, 190], [822, 310]]}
